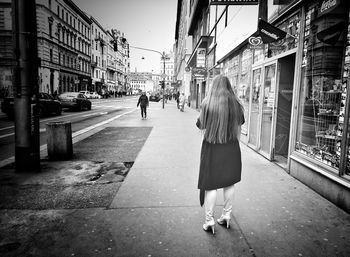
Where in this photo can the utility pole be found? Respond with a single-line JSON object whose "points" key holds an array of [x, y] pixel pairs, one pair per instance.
{"points": [[163, 57], [25, 86]]}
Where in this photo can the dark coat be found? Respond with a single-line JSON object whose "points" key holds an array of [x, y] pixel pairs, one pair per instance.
{"points": [[143, 101]]}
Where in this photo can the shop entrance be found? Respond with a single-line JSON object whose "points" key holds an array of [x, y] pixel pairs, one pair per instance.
{"points": [[284, 108], [270, 110]]}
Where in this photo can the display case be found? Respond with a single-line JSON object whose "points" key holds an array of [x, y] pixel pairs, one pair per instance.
{"points": [[323, 96]]}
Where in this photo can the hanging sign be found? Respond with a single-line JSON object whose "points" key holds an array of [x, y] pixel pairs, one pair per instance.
{"points": [[199, 71], [331, 7], [270, 33], [255, 43], [234, 2]]}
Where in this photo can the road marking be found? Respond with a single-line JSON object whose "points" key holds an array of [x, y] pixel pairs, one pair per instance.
{"points": [[74, 135], [94, 114], [11, 134]]}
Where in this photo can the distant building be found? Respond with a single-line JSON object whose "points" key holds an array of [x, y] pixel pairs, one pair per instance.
{"points": [[169, 69], [99, 44], [141, 82]]}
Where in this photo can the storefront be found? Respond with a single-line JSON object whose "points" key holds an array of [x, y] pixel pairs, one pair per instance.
{"points": [[295, 95], [321, 146]]}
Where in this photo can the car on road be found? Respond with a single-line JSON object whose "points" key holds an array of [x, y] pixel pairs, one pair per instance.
{"points": [[47, 105], [95, 95], [86, 93], [155, 98], [74, 100]]}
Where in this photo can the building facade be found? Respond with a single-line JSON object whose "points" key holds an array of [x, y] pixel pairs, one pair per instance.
{"points": [[99, 46], [6, 51], [294, 91], [182, 48], [168, 71], [63, 46], [141, 82]]}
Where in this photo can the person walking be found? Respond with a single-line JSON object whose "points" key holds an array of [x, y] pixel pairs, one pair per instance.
{"points": [[220, 120], [182, 101], [143, 102]]}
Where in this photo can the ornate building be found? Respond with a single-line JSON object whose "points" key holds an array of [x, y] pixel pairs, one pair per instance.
{"points": [[63, 46]]}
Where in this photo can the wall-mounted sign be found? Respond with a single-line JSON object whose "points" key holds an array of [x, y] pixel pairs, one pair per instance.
{"points": [[234, 2], [199, 71], [255, 43]]}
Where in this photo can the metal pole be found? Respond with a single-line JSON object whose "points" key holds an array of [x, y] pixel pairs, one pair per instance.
{"points": [[163, 56], [262, 13], [25, 85]]}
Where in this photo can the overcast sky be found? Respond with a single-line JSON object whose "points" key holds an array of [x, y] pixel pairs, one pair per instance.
{"points": [[145, 23]]}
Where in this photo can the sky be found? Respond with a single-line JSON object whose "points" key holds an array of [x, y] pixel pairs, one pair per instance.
{"points": [[145, 23]]}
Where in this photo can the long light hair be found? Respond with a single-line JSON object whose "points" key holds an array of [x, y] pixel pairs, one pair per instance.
{"points": [[221, 112]]}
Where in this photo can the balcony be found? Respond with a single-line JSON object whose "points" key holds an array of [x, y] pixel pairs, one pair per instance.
{"points": [[102, 41], [94, 64]]}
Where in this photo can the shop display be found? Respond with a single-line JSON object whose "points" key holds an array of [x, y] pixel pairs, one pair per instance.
{"points": [[323, 96]]}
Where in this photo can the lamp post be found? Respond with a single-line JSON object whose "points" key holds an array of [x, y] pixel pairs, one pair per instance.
{"points": [[162, 57]]}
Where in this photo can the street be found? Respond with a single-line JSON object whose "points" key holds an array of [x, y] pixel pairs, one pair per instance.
{"points": [[102, 109], [130, 190]]}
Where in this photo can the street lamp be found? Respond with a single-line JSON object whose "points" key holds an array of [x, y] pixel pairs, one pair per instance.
{"points": [[163, 56]]}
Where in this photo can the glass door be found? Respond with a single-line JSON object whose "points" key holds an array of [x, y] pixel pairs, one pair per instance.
{"points": [[268, 107], [255, 108]]}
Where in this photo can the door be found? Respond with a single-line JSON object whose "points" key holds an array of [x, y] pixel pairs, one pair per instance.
{"points": [[284, 97], [255, 89], [268, 109]]}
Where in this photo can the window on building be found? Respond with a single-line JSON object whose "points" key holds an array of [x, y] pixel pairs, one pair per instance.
{"points": [[59, 58], [51, 55], [58, 10], [62, 14], [66, 17], [70, 20], [50, 4], [97, 74], [64, 60], [50, 29], [322, 101]]}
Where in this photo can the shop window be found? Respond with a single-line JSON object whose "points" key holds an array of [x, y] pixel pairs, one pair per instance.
{"points": [[323, 87]]}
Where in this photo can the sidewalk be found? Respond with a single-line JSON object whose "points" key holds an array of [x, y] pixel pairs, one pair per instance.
{"points": [[156, 211]]}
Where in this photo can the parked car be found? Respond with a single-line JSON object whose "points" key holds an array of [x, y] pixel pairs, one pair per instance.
{"points": [[47, 105], [95, 95], [155, 98], [86, 93], [74, 100]]}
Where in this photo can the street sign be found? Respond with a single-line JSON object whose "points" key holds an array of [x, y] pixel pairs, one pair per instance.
{"points": [[163, 76]]}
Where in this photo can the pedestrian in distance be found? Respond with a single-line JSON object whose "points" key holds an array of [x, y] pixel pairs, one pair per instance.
{"points": [[143, 102], [182, 101], [220, 121]]}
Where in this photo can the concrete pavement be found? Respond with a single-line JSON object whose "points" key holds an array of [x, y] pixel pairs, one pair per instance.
{"points": [[156, 211]]}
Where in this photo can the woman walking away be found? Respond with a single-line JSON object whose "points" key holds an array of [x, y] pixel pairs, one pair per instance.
{"points": [[220, 120]]}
